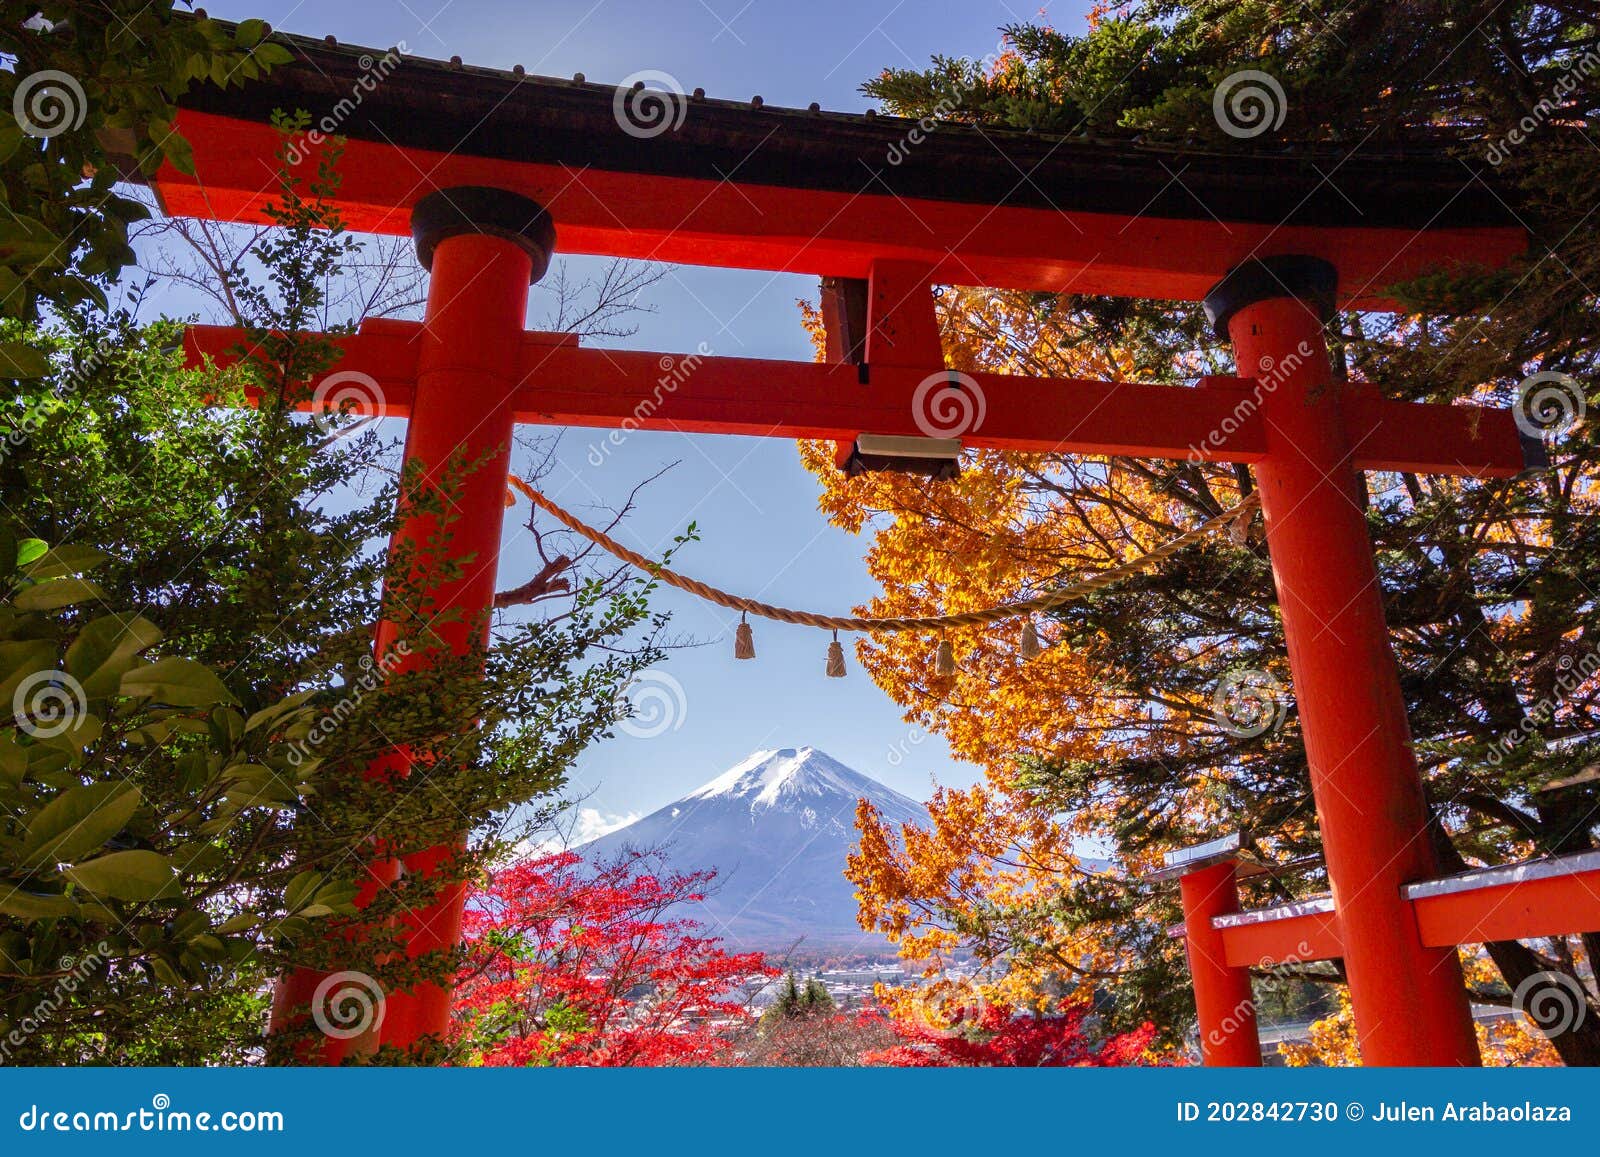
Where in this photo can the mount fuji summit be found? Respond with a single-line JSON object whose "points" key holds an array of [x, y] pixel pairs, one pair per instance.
{"points": [[777, 828]]}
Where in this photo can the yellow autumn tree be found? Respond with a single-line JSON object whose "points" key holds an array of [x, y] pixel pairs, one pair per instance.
{"points": [[1120, 737], [1509, 1041], [977, 845], [996, 871]]}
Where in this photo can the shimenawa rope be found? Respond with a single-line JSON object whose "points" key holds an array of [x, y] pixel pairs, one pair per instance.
{"points": [[1069, 593]]}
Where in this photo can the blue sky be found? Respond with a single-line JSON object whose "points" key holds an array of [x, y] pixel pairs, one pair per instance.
{"points": [[755, 507]]}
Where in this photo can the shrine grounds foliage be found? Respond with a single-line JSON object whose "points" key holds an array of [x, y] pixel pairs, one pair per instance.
{"points": [[574, 962], [102, 88], [195, 778]]}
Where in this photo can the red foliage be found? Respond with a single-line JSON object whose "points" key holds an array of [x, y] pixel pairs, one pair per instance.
{"points": [[575, 964], [996, 1036]]}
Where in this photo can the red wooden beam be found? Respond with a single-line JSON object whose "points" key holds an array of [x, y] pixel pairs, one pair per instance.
{"points": [[385, 351], [564, 385], [1551, 897], [721, 220], [1286, 934], [1385, 434], [817, 400]]}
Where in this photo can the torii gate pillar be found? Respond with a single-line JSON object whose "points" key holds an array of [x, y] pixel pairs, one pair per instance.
{"points": [[1409, 1000], [483, 248], [1225, 1003]]}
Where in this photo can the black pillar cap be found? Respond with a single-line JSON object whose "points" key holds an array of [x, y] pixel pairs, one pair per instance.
{"points": [[477, 209], [1308, 279]]}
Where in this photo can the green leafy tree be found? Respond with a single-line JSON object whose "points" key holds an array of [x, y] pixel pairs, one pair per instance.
{"points": [[815, 997], [204, 819], [130, 786], [90, 94], [796, 1000], [788, 1002]]}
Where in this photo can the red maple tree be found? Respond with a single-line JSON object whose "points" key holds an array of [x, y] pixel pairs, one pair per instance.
{"points": [[571, 963], [995, 1035]]}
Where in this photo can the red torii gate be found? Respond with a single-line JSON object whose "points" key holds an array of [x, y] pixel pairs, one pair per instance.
{"points": [[1548, 897], [485, 168]]}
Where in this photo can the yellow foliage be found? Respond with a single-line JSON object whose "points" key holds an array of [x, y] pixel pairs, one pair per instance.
{"points": [[982, 874], [1332, 1043], [1508, 1042], [978, 846], [1010, 526]]}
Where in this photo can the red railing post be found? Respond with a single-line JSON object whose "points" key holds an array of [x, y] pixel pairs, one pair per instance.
{"points": [[1223, 999]]}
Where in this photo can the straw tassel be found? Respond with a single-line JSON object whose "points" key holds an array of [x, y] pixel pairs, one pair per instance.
{"points": [[835, 658], [1239, 529], [944, 659], [1030, 647], [744, 641]]}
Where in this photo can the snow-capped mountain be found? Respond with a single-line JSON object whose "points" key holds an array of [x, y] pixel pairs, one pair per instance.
{"points": [[777, 827]]}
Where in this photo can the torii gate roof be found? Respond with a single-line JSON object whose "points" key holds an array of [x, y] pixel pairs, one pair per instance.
{"points": [[740, 185]]}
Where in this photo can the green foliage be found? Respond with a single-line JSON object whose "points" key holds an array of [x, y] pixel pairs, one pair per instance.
{"points": [[815, 997], [120, 781], [796, 1001], [206, 575], [97, 86], [1352, 72]]}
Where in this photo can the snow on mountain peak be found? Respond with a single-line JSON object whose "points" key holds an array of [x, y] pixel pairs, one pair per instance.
{"points": [[778, 828], [766, 777]]}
